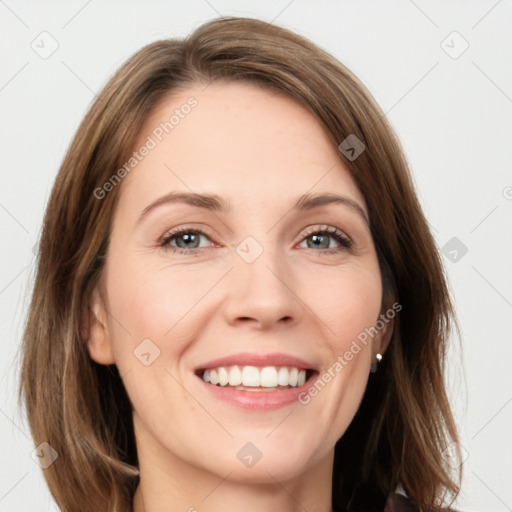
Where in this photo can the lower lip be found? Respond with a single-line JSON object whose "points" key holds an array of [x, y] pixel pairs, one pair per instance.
{"points": [[258, 400]]}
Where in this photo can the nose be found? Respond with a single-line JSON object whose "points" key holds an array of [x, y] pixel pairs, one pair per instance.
{"points": [[262, 292]]}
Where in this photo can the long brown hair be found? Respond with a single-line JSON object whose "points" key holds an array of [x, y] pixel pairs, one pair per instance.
{"points": [[404, 424]]}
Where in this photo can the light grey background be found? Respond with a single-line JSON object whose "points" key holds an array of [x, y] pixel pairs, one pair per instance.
{"points": [[452, 112]]}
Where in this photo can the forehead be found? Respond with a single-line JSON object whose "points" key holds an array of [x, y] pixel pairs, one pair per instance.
{"points": [[240, 141]]}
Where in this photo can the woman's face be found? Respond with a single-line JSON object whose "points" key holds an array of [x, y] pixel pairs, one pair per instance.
{"points": [[250, 277]]}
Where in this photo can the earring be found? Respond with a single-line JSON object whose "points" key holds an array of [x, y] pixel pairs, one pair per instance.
{"points": [[374, 366]]}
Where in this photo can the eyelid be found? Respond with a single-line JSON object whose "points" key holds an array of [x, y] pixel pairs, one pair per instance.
{"points": [[185, 229], [326, 228], [345, 241]]}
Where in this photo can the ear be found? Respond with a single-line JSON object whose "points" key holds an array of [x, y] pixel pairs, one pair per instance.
{"points": [[96, 332], [382, 340]]}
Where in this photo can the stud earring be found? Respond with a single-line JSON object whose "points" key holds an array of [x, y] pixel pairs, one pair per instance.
{"points": [[374, 366]]}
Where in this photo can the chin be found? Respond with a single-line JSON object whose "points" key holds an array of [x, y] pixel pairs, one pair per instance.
{"points": [[261, 463]]}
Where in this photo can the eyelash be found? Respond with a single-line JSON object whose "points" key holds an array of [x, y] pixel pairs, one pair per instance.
{"points": [[339, 236]]}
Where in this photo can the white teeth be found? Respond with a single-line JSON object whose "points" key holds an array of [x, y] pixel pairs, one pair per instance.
{"points": [[283, 376], [255, 377], [292, 378], [250, 376], [223, 376], [268, 377], [235, 376], [214, 377]]}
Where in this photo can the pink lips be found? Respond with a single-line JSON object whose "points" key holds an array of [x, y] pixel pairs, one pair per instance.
{"points": [[258, 400], [252, 359]]}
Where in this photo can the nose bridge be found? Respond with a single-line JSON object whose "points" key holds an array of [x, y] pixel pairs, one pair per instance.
{"points": [[262, 283]]}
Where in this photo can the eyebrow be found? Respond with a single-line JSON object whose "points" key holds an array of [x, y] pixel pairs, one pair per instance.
{"points": [[215, 203]]}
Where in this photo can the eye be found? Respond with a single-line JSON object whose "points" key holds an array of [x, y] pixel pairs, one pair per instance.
{"points": [[185, 238], [319, 238]]}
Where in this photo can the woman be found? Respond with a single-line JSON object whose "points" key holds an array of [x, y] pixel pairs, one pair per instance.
{"points": [[238, 301]]}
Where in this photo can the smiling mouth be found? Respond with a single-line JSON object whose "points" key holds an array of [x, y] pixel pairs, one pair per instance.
{"points": [[254, 378]]}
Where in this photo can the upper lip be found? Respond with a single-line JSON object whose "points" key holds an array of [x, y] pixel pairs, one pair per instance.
{"points": [[253, 359]]}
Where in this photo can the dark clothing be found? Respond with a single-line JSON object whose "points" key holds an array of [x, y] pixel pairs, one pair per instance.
{"points": [[399, 503], [395, 502]]}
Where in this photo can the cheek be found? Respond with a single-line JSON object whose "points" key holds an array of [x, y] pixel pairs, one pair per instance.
{"points": [[154, 300], [347, 300], [151, 328]]}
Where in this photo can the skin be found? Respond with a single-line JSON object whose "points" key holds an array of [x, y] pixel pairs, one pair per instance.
{"points": [[261, 151]]}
